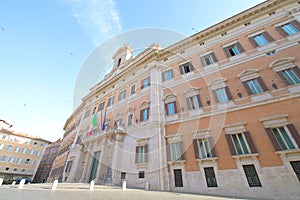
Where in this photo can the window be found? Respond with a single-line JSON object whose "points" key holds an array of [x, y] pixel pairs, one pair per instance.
{"points": [[101, 106], [141, 174], [122, 95], [290, 28], [17, 149], [240, 143], [19, 161], [15, 169], [167, 75], [233, 50], [255, 86], [31, 152], [3, 158], [119, 62], [42, 144], [23, 170], [130, 120], [12, 159], [7, 168], [202, 148], [222, 95], [1, 146], [30, 171], [186, 68], [176, 152], [86, 114], [290, 76], [110, 101], [35, 143], [132, 90], [283, 138], [145, 83], [251, 175], [141, 154], [261, 39], [208, 59], [145, 114], [118, 122], [123, 175], [24, 150], [211, 180], [171, 108], [27, 161], [69, 166], [193, 102], [178, 178], [34, 163], [94, 110], [296, 167], [9, 147]]}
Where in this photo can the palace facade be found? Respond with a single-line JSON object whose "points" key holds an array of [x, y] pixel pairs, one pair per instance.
{"points": [[216, 113]]}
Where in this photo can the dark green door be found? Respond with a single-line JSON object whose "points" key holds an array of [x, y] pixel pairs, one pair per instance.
{"points": [[94, 165]]}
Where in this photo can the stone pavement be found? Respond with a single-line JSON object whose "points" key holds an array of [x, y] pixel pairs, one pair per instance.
{"points": [[79, 191]]}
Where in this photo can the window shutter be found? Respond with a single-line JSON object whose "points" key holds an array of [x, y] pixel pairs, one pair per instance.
{"points": [[239, 46], [252, 41], [166, 108], [146, 153], [262, 84], [226, 51], [199, 100], [202, 59], [230, 144], [228, 93], [196, 148], [215, 96], [212, 147], [175, 106], [281, 31], [141, 115], [182, 151], [172, 74], [296, 24], [188, 103], [283, 78], [294, 133], [213, 55], [297, 71], [148, 81], [191, 66], [137, 154], [273, 139], [163, 76], [168, 152], [268, 36], [246, 86], [250, 142], [180, 69], [142, 86]]}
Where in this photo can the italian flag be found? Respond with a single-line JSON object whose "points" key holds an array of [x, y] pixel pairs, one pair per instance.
{"points": [[94, 124]]}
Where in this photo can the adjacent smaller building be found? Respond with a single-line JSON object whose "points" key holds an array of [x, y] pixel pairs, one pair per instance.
{"points": [[20, 154], [44, 169]]}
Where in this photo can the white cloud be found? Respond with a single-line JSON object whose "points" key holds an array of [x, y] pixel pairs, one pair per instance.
{"points": [[99, 17]]}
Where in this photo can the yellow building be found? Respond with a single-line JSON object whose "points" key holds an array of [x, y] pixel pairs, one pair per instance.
{"points": [[20, 155], [215, 113]]}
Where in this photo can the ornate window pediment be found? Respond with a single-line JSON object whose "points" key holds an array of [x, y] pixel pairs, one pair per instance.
{"points": [[248, 74], [217, 83], [145, 104], [282, 64]]}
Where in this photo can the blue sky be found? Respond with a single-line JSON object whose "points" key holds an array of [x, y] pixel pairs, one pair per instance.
{"points": [[44, 43]]}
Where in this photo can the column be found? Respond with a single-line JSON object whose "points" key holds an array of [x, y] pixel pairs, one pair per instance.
{"points": [[116, 159], [86, 165]]}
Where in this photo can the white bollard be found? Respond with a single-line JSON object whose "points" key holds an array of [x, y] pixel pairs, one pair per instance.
{"points": [[92, 184], [1, 181], [13, 183], [124, 185], [54, 185], [21, 184], [147, 185]]}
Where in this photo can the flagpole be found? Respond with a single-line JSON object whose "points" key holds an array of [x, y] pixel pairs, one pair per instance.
{"points": [[101, 120]]}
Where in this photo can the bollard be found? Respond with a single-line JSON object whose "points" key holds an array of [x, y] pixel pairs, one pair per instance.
{"points": [[1, 181], [147, 185], [54, 185], [21, 184], [13, 183], [124, 185], [92, 184]]}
